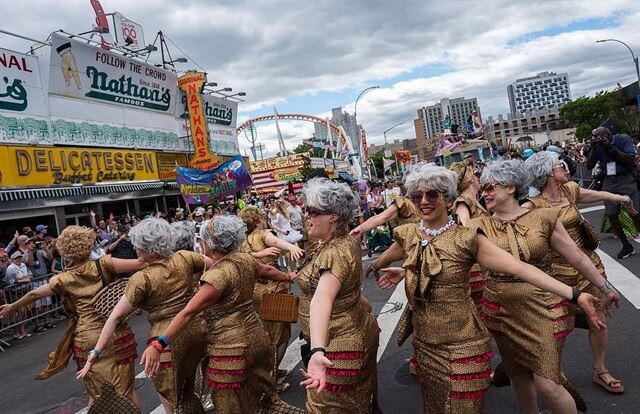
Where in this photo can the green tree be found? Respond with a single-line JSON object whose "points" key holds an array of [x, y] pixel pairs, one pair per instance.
{"points": [[302, 148], [587, 113]]}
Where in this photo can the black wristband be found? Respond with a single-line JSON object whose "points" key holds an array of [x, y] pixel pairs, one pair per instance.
{"points": [[375, 269], [575, 295], [314, 350]]}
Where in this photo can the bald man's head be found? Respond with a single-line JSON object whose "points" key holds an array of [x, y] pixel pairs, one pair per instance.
{"points": [[22, 240]]}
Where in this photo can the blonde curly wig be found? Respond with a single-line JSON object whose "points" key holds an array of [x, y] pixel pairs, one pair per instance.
{"points": [[75, 243], [251, 217]]}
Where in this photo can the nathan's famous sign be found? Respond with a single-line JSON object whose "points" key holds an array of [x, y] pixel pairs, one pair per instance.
{"points": [[20, 87], [83, 71], [191, 84], [30, 166]]}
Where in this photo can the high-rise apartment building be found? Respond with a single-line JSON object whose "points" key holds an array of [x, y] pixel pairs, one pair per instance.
{"points": [[546, 90], [429, 121], [347, 122]]}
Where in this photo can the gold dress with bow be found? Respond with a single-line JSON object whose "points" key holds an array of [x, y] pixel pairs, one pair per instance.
{"points": [[452, 346], [163, 289], [279, 332], [477, 274], [352, 338], [239, 349], [80, 284], [407, 212], [528, 323], [571, 218]]}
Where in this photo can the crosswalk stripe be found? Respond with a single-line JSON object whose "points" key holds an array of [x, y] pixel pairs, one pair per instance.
{"points": [[590, 209], [624, 281], [389, 317]]}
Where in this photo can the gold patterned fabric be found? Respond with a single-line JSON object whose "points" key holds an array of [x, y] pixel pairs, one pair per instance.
{"points": [[352, 338], [407, 212], [79, 284], [279, 332], [452, 346], [477, 274], [570, 217], [528, 324], [163, 289], [239, 349]]}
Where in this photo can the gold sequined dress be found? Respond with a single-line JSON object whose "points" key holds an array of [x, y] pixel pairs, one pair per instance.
{"points": [[352, 338], [571, 218], [239, 349], [528, 323], [163, 289], [452, 346], [279, 332], [80, 284], [478, 275]]}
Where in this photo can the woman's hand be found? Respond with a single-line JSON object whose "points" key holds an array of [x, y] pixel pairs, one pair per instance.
{"points": [[356, 233], [609, 298], [269, 252], [291, 276], [296, 252], [87, 366], [6, 310], [316, 373], [628, 205], [588, 303], [371, 268], [391, 276], [151, 361]]}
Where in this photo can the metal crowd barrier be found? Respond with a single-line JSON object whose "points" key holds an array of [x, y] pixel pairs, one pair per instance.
{"points": [[583, 176], [38, 309]]}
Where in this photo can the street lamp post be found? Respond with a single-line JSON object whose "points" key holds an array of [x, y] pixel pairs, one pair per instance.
{"points": [[633, 56], [355, 118], [386, 146]]}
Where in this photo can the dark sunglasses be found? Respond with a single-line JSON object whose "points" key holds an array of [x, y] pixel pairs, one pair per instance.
{"points": [[562, 165], [432, 196], [489, 187], [314, 212]]}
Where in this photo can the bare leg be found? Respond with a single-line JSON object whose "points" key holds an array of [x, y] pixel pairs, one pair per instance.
{"points": [[555, 396], [168, 408], [134, 397], [525, 390]]}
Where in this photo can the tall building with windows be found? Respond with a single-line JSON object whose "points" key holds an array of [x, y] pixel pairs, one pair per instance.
{"points": [[546, 90], [346, 121], [429, 121]]}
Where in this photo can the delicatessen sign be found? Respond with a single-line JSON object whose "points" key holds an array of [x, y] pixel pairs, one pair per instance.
{"points": [[38, 166]]}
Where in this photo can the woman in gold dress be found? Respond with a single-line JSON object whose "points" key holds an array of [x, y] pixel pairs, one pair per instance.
{"points": [[79, 284], [452, 346], [265, 247], [240, 357], [550, 176], [528, 324], [401, 210], [163, 289], [343, 336]]}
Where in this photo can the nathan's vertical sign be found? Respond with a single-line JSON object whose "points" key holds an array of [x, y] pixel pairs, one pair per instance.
{"points": [[192, 84]]}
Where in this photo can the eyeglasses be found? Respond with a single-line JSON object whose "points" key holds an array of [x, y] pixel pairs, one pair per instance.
{"points": [[489, 187], [432, 196], [562, 165], [314, 212]]}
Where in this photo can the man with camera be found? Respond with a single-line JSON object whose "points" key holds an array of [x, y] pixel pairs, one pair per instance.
{"points": [[617, 159]]}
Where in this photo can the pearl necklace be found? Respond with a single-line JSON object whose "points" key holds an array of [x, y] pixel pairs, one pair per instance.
{"points": [[436, 232]]}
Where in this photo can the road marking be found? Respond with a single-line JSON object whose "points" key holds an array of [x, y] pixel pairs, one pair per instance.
{"points": [[292, 355], [141, 375], [624, 281], [389, 319], [158, 410], [590, 209]]}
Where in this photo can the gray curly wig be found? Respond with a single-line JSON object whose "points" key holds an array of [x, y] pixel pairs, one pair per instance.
{"points": [[224, 233], [184, 233], [432, 177], [331, 197], [540, 166], [508, 173], [153, 235]]}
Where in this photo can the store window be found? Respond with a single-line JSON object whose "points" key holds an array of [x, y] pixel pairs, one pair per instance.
{"points": [[147, 206], [117, 208]]}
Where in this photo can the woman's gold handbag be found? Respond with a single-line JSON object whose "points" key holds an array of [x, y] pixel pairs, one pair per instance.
{"points": [[279, 307]]}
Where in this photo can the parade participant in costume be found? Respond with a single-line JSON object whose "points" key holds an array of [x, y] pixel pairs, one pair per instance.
{"points": [[551, 178], [240, 357], [452, 346], [163, 289], [265, 247], [343, 335], [281, 224], [79, 283], [401, 208], [527, 323]]}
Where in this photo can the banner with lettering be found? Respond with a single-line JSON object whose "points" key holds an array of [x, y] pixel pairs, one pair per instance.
{"points": [[201, 187], [20, 84], [80, 70]]}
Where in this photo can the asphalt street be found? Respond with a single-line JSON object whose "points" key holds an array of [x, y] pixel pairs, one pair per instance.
{"points": [[398, 390]]}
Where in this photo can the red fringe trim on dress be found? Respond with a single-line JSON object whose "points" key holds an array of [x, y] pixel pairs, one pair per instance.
{"points": [[491, 305], [343, 372], [560, 304], [226, 385], [561, 318], [165, 365], [227, 358], [345, 355], [477, 358], [339, 388], [216, 371], [420, 379], [76, 349], [127, 349], [127, 360], [476, 273], [561, 335], [477, 284], [473, 395], [472, 376], [489, 318], [125, 338]]}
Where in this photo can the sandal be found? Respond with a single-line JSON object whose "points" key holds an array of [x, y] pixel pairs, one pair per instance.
{"points": [[49, 325], [609, 386], [40, 329]]}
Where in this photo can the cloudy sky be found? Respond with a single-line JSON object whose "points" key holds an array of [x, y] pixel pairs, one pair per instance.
{"points": [[310, 56]]}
